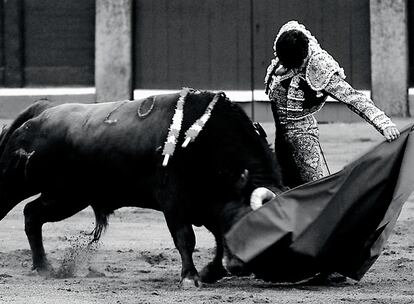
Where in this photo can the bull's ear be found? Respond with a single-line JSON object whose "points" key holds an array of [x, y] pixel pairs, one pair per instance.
{"points": [[242, 182]]}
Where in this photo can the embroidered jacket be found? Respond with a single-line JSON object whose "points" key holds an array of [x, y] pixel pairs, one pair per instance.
{"points": [[297, 95]]}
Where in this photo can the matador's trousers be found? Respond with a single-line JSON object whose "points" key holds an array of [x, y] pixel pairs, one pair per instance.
{"points": [[298, 150]]}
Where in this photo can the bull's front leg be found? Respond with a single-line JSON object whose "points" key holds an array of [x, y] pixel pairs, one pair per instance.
{"points": [[214, 270], [184, 240]]}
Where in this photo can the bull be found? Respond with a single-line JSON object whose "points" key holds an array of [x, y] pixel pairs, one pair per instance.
{"points": [[109, 155]]}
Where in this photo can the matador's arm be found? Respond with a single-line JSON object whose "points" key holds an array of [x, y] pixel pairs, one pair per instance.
{"points": [[358, 102]]}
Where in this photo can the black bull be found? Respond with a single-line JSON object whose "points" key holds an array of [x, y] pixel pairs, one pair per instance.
{"points": [[109, 155]]}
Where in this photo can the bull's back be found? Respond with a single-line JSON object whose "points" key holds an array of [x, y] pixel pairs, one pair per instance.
{"points": [[107, 143], [114, 126]]}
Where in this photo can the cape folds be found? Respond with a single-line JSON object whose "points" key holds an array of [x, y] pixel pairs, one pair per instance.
{"points": [[333, 224]]}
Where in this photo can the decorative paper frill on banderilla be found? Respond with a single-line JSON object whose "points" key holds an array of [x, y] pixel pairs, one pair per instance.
{"points": [[175, 127], [337, 224], [176, 124]]}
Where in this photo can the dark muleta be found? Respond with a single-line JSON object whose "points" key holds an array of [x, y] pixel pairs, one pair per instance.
{"points": [[337, 224]]}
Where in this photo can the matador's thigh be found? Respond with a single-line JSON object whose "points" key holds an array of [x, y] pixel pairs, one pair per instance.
{"points": [[303, 143]]}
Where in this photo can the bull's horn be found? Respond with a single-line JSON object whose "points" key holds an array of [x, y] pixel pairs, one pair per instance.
{"points": [[260, 195]]}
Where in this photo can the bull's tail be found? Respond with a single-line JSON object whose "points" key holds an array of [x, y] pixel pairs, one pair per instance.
{"points": [[10, 191], [30, 112]]}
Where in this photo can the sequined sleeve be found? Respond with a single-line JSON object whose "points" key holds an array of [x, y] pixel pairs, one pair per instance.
{"points": [[358, 102]]}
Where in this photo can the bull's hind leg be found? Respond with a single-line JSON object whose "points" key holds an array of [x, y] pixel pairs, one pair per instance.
{"points": [[37, 213]]}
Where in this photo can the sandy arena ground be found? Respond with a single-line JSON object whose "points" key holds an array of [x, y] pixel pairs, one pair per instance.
{"points": [[136, 261]]}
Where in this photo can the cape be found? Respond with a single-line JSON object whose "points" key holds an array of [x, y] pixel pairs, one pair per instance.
{"points": [[337, 224]]}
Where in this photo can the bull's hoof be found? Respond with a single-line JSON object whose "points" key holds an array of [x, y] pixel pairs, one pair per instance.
{"points": [[325, 279], [191, 283], [211, 273], [236, 267], [44, 270]]}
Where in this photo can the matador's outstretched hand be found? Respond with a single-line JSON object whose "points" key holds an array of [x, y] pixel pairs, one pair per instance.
{"points": [[391, 133]]}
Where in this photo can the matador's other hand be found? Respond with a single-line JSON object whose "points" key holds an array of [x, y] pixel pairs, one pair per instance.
{"points": [[391, 133]]}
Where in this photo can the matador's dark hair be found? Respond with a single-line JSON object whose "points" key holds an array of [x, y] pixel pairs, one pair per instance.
{"points": [[292, 48]]}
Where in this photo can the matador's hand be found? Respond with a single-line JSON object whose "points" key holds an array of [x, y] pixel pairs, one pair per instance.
{"points": [[280, 70], [391, 133]]}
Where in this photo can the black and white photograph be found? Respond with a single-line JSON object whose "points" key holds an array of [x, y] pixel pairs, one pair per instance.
{"points": [[206, 152]]}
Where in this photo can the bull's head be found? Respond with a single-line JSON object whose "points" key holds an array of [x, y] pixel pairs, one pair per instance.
{"points": [[258, 197]]}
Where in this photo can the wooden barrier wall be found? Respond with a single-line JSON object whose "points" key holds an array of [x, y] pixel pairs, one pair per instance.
{"points": [[210, 44], [218, 44], [47, 43]]}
